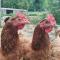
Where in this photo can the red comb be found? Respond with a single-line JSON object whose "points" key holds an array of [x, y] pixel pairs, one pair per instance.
{"points": [[22, 17], [51, 19]]}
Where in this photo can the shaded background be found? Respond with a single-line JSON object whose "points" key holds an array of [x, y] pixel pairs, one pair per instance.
{"points": [[35, 9]]}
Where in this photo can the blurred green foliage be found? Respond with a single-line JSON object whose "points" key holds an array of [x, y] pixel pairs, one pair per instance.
{"points": [[31, 5], [57, 16], [52, 6], [35, 17]]}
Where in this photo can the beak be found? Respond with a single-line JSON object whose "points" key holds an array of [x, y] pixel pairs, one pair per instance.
{"points": [[25, 21]]}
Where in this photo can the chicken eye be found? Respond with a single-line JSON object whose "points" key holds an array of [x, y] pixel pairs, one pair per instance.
{"points": [[19, 20], [47, 22]]}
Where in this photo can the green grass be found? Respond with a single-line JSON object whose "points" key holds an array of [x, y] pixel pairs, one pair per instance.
{"points": [[35, 17]]}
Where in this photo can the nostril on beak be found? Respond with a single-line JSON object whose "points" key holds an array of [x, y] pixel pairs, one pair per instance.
{"points": [[27, 22]]}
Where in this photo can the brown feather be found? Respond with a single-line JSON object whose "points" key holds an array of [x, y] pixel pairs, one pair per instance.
{"points": [[10, 43]]}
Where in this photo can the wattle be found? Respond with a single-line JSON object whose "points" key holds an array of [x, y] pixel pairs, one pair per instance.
{"points": [[48, 30]]}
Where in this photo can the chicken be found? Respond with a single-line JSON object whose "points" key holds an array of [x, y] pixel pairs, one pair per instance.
{"points": [[10, 43], [39, 47], [56, 46]]}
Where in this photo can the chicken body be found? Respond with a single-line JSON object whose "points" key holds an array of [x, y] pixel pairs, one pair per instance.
{"points": [[10, 43], [38, 48], [56, 47]]}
